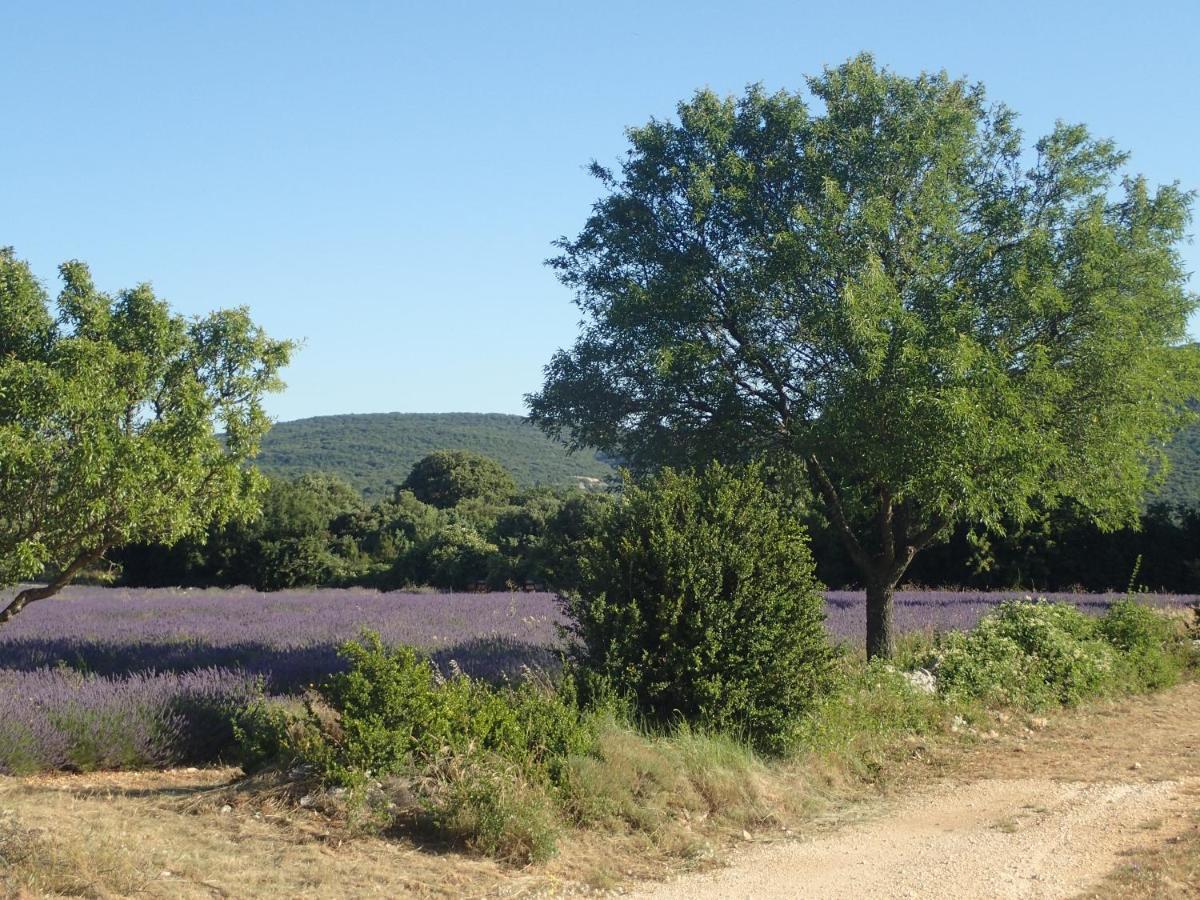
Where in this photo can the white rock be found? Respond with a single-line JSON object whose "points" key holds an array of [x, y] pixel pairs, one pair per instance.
{"points": [[922, 681]]}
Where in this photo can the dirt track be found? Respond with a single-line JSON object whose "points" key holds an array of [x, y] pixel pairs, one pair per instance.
{"points": [[1030, 814]]}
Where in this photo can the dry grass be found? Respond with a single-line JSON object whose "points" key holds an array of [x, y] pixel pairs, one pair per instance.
{"points": [[145, 834], [665, 805]]}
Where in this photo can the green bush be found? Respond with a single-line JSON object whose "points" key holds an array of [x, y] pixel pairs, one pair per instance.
{"points": [[1149, 644], [455, 556], [698, 601], [1034, 655], [445, 478], [477, 763]]}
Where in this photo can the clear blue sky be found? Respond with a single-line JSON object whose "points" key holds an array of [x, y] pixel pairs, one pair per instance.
{"points": [[383, 180]]}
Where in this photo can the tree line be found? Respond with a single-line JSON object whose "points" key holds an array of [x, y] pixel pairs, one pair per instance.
{"points": [[459, 522]]}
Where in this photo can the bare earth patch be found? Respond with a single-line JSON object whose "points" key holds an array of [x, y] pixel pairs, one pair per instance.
{"points": [[1028, 813]]}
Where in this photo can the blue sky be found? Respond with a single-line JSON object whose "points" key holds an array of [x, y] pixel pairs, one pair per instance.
{"points": [[383, 180]]}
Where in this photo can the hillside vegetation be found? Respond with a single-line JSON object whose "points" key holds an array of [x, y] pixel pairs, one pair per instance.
{"points": [[1182, 487], [374, 452]]}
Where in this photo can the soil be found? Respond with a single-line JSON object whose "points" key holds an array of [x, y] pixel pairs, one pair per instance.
{"points": [[1042, 808]]}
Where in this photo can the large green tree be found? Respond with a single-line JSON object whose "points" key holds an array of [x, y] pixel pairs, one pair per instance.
{"points": [[110, 408], [446, 478], [887, 286]]}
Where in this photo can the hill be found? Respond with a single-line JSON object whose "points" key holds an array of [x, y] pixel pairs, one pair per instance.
{"points": [[375, 451], [1182, 487]]}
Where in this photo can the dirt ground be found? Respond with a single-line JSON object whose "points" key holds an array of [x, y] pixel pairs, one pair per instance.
{"points": [[1036, 808], [1053, 810]]}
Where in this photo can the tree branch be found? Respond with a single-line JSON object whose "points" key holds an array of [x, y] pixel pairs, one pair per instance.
{"points": [[65, 577], [833, 503]]}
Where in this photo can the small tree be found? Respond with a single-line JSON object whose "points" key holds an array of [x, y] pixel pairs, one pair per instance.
{"points": [[698, 599], [446, 478], [108, 412], [890, 292]]}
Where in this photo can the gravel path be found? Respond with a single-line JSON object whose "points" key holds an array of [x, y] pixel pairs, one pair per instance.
{"points": [[1029, 815]]}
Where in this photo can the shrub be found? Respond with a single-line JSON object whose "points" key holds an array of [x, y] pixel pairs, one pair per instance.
{"points": [[1148, 642], [477, 763], [392, 713], [1033, 655], [1029, 655], [698, 600], [456, 556]]}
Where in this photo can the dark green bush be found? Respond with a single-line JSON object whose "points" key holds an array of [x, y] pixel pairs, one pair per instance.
{"points": [[446, 478], [455, 556], [1149, 643], [698, 601]]}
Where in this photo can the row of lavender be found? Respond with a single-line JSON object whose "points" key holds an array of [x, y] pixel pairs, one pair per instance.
{"points": [[118, 678]]}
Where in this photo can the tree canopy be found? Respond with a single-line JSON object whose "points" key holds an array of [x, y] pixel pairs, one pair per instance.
{"points": [[446, 478], [109, 410], [885, 284]]}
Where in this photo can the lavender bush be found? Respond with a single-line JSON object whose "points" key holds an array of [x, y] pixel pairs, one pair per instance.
{"points": [[61, 719]]}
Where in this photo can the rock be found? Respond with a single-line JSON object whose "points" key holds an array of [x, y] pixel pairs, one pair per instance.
{"points": [[1136, 766], [922, 681], [226, 809], [306, 801], [747, 836]]}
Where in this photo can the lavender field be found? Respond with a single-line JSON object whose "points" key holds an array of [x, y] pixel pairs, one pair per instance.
{"points": [[114, 677]]}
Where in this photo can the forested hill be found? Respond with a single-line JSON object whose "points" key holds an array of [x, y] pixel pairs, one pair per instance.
{"points": [[1182, 487], [375, 451]]}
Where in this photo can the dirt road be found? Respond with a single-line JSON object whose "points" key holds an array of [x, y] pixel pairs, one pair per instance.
{"points": [[1032, 813]]}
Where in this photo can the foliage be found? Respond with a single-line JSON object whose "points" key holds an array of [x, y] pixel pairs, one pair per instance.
{"points": [[478, 760], [698, 601], [1034, 655], [391, 713], [375, 452], [885, 290], [1148, 642], [315, 530], [107, 408], [446, 478]]}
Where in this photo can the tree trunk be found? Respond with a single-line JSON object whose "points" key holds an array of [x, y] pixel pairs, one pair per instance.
{"points": [[32, 594], [881, 638]]}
